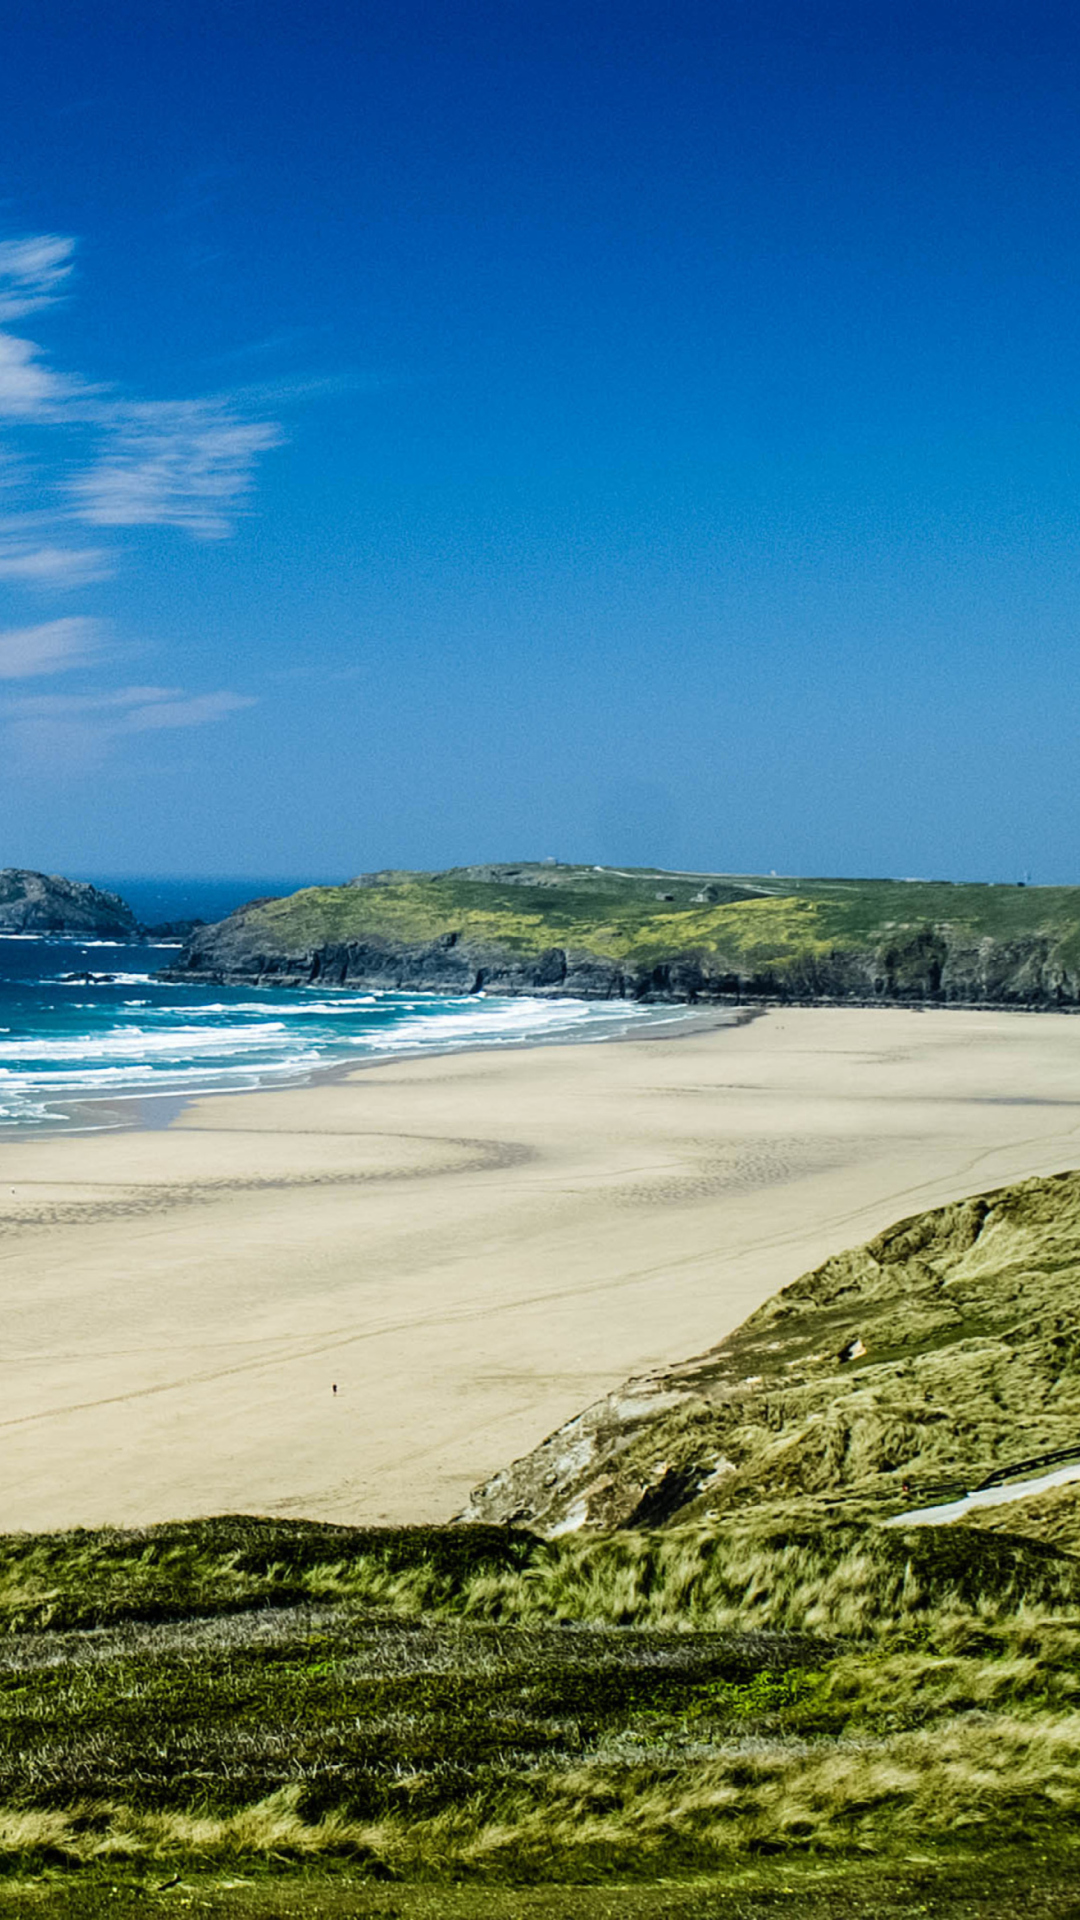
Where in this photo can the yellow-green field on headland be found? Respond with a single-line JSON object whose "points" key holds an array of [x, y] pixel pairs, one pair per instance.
{"points": [[470, 1248], [603, 933]]}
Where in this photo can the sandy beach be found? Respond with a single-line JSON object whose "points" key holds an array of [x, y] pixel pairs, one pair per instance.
{"points": [[470, 1248]]}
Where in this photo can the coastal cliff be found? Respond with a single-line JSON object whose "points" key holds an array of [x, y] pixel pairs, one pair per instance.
{"points": [[47, 903], [592, 933]]}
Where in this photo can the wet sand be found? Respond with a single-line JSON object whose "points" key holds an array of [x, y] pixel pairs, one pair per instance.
{"points": [[471, 1248]]}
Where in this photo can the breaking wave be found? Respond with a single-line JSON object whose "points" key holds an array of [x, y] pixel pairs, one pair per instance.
{"points": [[71, 1031]]}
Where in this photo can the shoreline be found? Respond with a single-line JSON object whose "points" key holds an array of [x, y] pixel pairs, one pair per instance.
{"points": [[472, 1246], [156, 1111], [146, 1108]]}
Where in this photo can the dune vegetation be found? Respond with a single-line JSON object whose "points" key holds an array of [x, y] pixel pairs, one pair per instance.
{"points": [[901, 1372], [780, 1703], [242, 1696]]}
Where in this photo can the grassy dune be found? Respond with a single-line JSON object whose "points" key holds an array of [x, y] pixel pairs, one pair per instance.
{"points": [[903, 1371], [645, 1706], [782, 1706]]}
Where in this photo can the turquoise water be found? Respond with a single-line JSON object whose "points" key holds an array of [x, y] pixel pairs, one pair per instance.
{"points": [[124, 1034]]}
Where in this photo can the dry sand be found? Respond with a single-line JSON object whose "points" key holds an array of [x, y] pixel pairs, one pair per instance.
{"points": [[472, 1248]]}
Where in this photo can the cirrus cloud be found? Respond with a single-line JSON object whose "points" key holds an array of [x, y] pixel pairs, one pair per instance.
{"points": [[30, 390], [76, 732], [169, 463], [184, 463], [51, 567], [52, 647], [78, 454], [33, 272]]}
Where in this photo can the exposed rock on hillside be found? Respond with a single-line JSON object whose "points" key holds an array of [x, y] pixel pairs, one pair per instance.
{"points": [[172, 930], [449, 964], [909, 1369], [595, 934], [46, 903]]}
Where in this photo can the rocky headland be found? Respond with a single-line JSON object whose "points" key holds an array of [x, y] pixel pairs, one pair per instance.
{"points": [[46, 903], [594, 933]]}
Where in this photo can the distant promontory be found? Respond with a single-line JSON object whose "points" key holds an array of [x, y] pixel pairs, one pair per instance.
{"points": [[649, 935], [47, 903]]}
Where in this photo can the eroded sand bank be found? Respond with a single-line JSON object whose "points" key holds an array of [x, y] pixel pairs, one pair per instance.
{"points": [[472, 1248]]}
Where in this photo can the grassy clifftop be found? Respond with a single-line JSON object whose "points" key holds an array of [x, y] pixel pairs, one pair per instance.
{"points": [[650, 933]]}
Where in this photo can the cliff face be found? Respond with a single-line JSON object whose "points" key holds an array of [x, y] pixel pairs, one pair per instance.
{"points": [[450, 964], [906, 1371], [46, 903], [947, 964]]}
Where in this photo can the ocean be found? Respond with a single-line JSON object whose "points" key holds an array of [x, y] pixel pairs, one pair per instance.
{"points": [[123, 1035]]}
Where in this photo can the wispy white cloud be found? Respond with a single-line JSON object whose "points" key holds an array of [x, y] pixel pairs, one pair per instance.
{"points": [[33, 272], [53, 647], [166, 463], [51, 567], [197, 710], [183, 463], [49, 705], [136, 709], [76, 732], [32, 275], [115, 461], [30, 390]]}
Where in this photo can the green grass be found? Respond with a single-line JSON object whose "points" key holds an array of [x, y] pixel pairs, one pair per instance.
{"points": [[973, 1884], [104, 1578], [759, 928], [774, 1571], [647, 1707]]}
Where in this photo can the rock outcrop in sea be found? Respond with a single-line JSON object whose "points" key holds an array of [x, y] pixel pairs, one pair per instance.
{"points": [[46, 903]]}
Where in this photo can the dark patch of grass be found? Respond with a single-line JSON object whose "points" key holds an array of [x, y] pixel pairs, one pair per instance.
{"points": [[90, 1579], [994, 1884], [344, 1707]]}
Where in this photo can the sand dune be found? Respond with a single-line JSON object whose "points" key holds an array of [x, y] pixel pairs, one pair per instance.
{"points": [[471, 1248]]}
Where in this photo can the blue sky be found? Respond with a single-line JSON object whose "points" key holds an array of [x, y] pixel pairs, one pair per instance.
{"points": [[632, 432]]}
